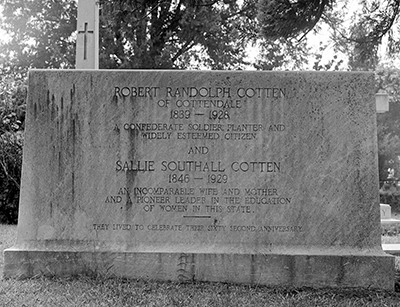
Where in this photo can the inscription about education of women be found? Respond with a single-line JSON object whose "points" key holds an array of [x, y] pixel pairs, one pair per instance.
{"points": [[207, 167], [232, 176]]}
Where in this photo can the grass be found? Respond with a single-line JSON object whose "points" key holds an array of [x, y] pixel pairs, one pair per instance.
{"points": [[84, 291], [99, 291]]}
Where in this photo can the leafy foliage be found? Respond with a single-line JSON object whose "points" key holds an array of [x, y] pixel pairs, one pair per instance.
{"points": [[362, 34], [334, 63], [369, 26], [388, 79], [359, 37], [157, 34], [12, 116], [282, 18], [390, 194], [168, 34], [284, 53], [134, 34], [41, 33]]}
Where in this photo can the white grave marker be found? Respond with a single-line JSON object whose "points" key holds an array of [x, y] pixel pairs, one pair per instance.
{"points": [[87, 42]]}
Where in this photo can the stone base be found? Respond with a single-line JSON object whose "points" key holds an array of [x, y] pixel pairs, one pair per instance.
{"points": [[373, 270]]}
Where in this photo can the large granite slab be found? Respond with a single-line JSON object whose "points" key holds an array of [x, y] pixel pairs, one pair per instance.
{"points": [[253, 177]]}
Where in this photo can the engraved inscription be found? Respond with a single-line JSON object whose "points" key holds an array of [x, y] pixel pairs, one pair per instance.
{"points": [[216, 168]]}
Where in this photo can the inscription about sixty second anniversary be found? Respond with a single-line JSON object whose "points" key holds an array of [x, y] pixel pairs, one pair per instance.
{"points": [[193, 183]]}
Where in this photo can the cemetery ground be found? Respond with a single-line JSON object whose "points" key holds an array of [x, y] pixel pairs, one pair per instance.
{"points": [[95, 290]]}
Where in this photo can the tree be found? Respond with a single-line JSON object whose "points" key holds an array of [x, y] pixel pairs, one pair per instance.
{"points": [[12, 117], [134, 33], [369, 24], [176, 34], [282, 53], [196, 33], [145, 34], [41, 34], [357, 35], [284, 19], [388, 79]]}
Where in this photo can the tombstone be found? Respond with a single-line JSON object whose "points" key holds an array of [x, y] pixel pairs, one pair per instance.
{"points": [[386, 215], [387, 220], [382, 102], [244, 177]]}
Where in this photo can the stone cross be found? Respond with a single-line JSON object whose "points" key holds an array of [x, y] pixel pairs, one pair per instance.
{"points": [[87, 41]]}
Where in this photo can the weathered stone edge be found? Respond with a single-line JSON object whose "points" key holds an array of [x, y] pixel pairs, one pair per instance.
{"points": [[367, 271]]}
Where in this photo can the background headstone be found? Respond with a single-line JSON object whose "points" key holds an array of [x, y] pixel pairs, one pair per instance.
{"points": [[386, 215], [248, 177]]}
